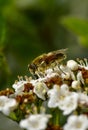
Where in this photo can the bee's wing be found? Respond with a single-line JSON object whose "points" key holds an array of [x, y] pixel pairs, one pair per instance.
{"points": [[63, 51]]}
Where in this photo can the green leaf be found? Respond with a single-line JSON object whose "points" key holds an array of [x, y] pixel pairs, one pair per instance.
{"points": [[2, 30], [13, 116], [19, 20], [83, 40], [79, 27]]}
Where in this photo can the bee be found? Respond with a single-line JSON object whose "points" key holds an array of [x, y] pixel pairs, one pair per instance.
{"points": [[46, 60]]}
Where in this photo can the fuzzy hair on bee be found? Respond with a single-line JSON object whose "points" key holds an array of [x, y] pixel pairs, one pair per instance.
{"points": [[47, 60]]}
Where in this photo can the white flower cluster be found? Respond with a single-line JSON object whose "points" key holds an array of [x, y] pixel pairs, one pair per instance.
{"points": [[61, 97], [7, 104], [77, 123], [35, 122], [64, 88]]}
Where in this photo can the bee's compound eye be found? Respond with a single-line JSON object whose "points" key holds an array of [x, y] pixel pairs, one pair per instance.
{"points": [[61, 56], [32, 67]]}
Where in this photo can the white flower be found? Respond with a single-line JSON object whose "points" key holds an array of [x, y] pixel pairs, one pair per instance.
{"points": [[76, 123], [80, 77], [75, 84], [7, 104], [49, 71], [83, 63], [40, 89], [35, 122], [66, 72], [69, 103], [82, 98], [61, 97], [19, 86], [73, 65], [55, 94]]}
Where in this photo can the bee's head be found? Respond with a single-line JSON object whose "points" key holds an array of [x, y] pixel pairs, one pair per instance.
{"points": [[32, 68]]}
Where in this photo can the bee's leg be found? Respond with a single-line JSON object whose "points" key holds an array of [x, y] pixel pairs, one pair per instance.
{"points": [[35, 76], [39, 74], [61, 70], [58, 65]]}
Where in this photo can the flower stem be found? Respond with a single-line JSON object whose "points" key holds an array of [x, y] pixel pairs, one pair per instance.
{"points": [[56, 117]]}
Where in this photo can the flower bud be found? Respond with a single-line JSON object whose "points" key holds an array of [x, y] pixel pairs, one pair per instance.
{"points": [[72, 65]]}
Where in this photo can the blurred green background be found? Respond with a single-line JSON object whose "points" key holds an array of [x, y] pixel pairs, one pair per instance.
{"points": [[29, 28]]}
